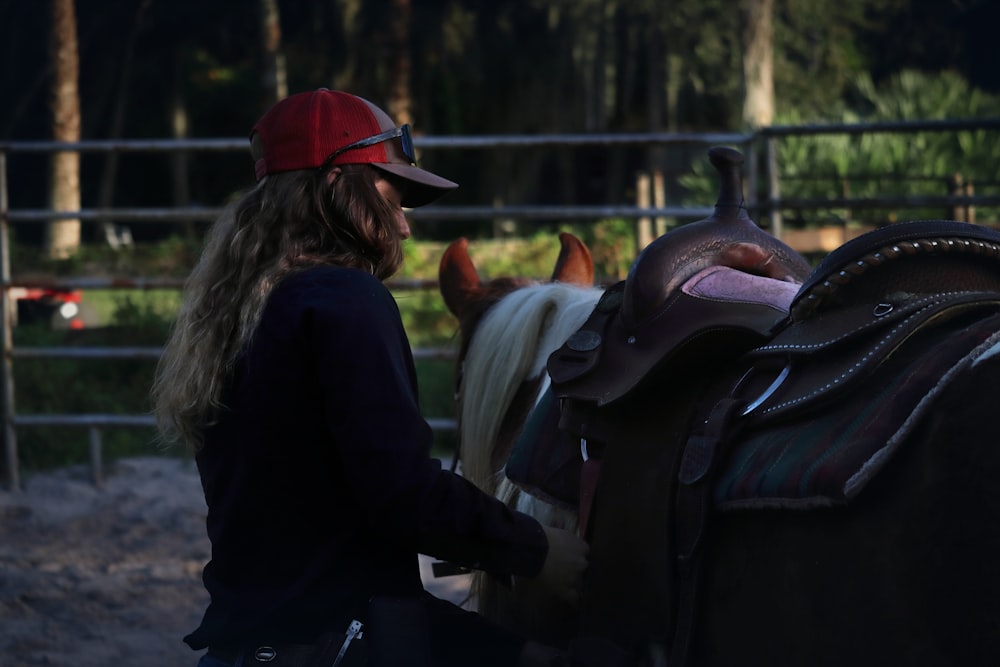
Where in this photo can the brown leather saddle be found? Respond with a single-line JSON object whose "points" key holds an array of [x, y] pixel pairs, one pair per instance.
{"points": [[900, 291], [794, 396], [807, 403], [702, 295], [785, 357], [800, 409]]}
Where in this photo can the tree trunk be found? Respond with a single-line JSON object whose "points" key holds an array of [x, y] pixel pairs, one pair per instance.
{"points": [[758, 63], [275, 73], [179, 160], [118, 236], [598, 120], [62, 238], [658, 81], [400, 104]]}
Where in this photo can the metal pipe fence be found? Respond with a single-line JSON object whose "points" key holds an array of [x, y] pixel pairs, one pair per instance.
{"points": [[761, 150]]}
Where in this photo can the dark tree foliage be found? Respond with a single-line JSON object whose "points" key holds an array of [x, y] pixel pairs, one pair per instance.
{"points": [[478, 67], [932, 35], [483, 66]]}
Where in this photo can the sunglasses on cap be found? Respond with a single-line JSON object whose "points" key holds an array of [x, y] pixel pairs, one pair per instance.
{"points": [[403, 131]]}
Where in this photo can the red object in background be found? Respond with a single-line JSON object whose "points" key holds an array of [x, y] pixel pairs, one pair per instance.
{"points": [[58, 308]]}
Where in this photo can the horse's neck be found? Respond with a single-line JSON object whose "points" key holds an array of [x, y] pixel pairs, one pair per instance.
{"points": [[509, 350]]}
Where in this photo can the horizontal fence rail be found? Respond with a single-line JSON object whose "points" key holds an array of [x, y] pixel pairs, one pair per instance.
{"points": [[94, 352], [760, 148], [426, 212]]}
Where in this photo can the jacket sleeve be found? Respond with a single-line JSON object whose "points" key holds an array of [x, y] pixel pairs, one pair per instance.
{"points": [[370, 397]]}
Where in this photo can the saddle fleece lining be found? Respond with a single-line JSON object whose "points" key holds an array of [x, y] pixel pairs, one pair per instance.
{"points": [[722, 283]]}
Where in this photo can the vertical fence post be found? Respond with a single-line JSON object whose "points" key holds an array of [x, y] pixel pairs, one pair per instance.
{"points": [[845, 192], [970, 208], [751, 170], [6, 322], [958, 187], [773, 188], [96, 462], [644, 226], [659, 201]]}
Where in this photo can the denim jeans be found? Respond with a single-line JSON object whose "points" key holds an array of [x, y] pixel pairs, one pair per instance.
{"points": [[209, 661]]}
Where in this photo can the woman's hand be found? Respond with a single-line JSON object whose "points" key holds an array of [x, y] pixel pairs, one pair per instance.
{"points": [[565, 563]]}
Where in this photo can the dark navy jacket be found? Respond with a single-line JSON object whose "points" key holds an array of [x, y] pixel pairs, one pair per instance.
{"points": [[320, 486]]}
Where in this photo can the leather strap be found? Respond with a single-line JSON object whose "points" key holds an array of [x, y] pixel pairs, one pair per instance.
{"points": [[590, 472], [693, 507]]}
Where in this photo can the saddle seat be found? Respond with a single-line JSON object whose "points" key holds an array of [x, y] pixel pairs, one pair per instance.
{"points": [[719, 308], [606, 359]]}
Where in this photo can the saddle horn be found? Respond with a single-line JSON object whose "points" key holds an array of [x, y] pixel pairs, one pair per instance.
{"points": [[726, 238]]}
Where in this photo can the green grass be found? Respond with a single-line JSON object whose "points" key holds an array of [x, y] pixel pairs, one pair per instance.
{"points": [[83, 386], [104, 304], [135, 317]]}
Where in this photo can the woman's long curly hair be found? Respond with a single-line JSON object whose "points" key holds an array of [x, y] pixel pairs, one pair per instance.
{"points": [[290, 221]]}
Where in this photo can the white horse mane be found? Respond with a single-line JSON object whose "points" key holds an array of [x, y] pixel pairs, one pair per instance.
{"points": [[511, 345]]}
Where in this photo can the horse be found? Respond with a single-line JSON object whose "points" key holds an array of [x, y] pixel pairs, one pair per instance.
{"points": [[517, 324], [794, 464]]}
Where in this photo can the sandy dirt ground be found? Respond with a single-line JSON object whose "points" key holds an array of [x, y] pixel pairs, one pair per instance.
{"points": [[111, 576]]}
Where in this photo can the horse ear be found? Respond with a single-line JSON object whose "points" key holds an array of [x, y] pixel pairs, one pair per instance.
{"points": [[457, 277], [575, 264]]}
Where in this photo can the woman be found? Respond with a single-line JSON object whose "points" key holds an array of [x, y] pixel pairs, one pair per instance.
{"points": [[290, 375]]}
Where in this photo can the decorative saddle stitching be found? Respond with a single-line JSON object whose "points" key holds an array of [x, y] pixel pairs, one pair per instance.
{"points": [[917, 307], [868, 358], [814, 293]]}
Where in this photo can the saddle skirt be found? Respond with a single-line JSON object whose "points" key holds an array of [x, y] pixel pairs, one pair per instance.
{"points": [[829, 378], [817, 440], [879, 331]]}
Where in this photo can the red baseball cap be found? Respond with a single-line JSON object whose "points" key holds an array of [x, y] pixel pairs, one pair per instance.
{"points": [[327, 127]]}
